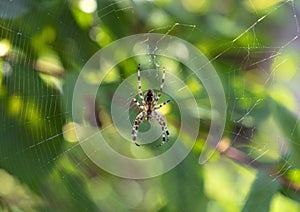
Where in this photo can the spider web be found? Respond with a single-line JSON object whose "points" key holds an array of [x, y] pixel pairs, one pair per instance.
{"points": [[256, 57]]}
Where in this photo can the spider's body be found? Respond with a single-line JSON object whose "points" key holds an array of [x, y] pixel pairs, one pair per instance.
{"points": [[149, 103], [149, 107]]}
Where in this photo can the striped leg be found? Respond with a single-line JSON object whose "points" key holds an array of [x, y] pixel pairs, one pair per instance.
{"points": [[164, 128], [139, 82], [162, 84], [162, 104], [138, 104], [136, 125]]}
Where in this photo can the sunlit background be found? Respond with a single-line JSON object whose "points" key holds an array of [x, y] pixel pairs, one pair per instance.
{"points": [[254, 47]]}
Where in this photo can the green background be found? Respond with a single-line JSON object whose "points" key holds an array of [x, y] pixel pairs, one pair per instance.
{"points": [[252, 44]]}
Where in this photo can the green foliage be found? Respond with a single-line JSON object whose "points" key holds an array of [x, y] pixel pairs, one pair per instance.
{"points": [[261, 194], [45, 44]]}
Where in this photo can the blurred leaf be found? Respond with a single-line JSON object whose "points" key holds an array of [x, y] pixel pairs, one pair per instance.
{"points": [[31, 137], [261, 194], [13, 191], [281, 203], [184, 187], [68, 190], [293, 175], [289, 125]]}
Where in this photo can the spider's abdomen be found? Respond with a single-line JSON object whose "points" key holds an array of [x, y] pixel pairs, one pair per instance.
{"points": [[149, 112], [149, 99]]}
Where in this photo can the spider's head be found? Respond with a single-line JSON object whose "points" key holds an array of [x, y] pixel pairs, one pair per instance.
{"points": [[149, 96]]}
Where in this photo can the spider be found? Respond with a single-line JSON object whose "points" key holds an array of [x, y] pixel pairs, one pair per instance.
{"points": [[149, 107]]}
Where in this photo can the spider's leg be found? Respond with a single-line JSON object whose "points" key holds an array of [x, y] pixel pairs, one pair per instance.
{"points": [[162, 104], [139, 82], [138, 104], [136, 125], [164, 127], [162, 84]]}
